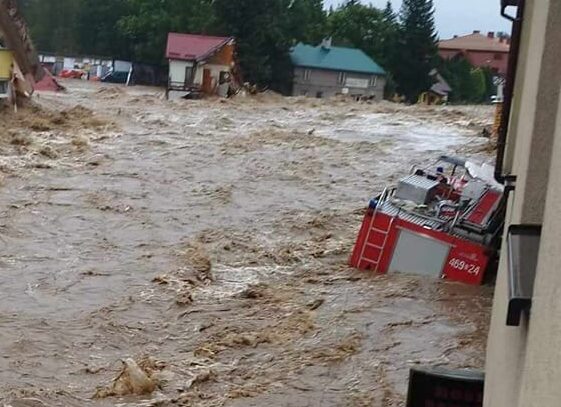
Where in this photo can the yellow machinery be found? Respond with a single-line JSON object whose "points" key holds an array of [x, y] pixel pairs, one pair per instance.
{"points": [[27, 68], [6, 63]]}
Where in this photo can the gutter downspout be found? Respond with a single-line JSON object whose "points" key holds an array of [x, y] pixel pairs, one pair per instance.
{"points": [[517, 23]]}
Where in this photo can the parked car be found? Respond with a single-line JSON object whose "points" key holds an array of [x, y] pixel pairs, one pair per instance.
{"points": [[115, 77]]}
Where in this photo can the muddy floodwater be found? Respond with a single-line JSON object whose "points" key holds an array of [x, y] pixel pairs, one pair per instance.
{"points": [[208, 241]]}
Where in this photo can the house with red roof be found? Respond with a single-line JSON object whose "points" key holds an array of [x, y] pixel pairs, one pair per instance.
{"points": [[480, 50], [199, 64]]}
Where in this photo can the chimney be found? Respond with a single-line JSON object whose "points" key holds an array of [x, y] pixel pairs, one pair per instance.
{"points": [[326, 43], [476, 31], [455, 36], [491, 34]]}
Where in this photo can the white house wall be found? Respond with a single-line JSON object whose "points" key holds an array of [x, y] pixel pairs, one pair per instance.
{"points": [[214, 72], [177, 70]]}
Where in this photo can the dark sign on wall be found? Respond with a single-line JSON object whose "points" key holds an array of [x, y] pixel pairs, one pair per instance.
{"points": [[444, 388]]}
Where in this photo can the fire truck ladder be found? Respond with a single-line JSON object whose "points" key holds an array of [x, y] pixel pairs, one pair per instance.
{"points": [[371, 229]]}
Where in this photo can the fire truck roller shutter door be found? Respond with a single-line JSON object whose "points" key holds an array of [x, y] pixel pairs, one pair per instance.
{"points": [[418, 254]]}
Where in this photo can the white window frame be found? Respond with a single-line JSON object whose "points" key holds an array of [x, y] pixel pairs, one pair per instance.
{"points": [[307, 74], [373, 81], [342, 78]]}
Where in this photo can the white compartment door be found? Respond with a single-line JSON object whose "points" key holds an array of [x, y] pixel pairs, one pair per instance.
{"points": [[417, 254]]}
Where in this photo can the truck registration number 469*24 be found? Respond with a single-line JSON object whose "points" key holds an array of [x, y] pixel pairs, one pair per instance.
{"points": [[462, 265]]}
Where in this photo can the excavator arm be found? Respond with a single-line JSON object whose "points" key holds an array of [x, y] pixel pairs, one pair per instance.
{"points": [[15, 34]]}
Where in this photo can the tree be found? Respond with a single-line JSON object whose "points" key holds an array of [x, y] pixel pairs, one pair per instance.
{"points": [[417, 48], [263, 40], [97, 28], [359, 26], [146, 28], [307, 21], [479, 85], [148, 23], [372, 30], [389, 15], [52, 24], [469, 84], [389, 56], [457, 72]]}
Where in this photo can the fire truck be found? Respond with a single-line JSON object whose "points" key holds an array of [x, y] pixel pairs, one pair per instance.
{"points": [[443, 221]]}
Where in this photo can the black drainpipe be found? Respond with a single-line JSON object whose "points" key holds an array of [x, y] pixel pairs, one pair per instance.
{"points": [[509, 87]]}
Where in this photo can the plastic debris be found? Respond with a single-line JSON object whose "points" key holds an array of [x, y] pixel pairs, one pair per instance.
{"points": [[133, 380]]}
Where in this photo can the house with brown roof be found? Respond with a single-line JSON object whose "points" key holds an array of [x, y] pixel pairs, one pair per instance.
{"points": [[199, 64], [438, 93], [480, 50]]}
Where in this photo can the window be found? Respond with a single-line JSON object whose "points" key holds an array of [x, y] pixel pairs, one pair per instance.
{"points": [[188, 75], [373, 81], [319, 95], [342, 78], [498, 57], [3, 87], [307, 74], [224, 77]]}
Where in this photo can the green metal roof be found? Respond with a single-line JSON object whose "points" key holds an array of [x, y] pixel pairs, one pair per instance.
{"points": [[334, 59]]}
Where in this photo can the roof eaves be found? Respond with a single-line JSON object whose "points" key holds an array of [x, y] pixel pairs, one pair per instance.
{"points": [[215, 49], [323, 68], [176, 56]]}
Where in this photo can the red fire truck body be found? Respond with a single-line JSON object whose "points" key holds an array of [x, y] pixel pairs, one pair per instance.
{"points": [[444, 223]]}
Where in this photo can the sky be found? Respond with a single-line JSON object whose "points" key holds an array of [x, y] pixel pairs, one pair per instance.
{"points": [[457, 17]]}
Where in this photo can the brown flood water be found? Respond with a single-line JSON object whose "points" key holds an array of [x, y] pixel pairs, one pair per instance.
{"points": [[210, 239]]}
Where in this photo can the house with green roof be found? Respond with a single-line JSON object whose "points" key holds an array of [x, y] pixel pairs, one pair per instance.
{"points": [[325, 71]]}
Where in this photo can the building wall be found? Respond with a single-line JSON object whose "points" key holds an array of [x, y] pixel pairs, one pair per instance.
{"points": [[214, 72], [177, 70], [495, 60], [225, 56], [327, 84], [542, 368], [524, 363]]}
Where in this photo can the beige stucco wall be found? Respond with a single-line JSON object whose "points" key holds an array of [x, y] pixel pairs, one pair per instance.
{"points": [[541, 374], [537, 121], [516, 355]]}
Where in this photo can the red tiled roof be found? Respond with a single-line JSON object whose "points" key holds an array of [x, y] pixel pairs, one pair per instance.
{"points": [[475, 42], [193, 47]]}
